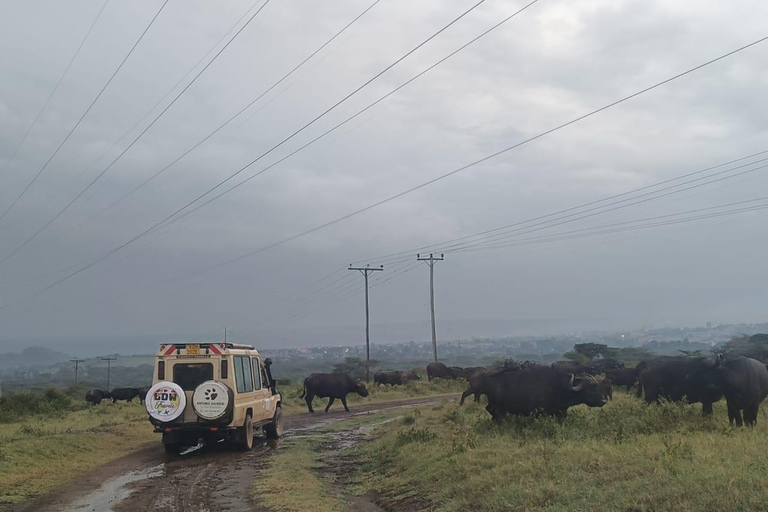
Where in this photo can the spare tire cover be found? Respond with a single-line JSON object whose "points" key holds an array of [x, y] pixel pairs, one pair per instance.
{"points": [[211, 400], [166, 401]]}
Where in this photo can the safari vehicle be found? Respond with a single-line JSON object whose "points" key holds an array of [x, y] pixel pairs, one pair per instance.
{"points": [[214, 392]]}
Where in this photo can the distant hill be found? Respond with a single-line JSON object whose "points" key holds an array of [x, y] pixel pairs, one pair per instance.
{"points": [[32, 357]]}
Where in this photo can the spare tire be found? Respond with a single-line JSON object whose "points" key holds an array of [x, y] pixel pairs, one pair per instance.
{"points": [[212, 400], [166, 401]]}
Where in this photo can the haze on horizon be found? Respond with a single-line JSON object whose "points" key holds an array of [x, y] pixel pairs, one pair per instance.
{"points": [[550, 64]]}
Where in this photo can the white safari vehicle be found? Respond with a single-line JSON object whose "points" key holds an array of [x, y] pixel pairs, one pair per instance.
{"points": [[213, 391]]}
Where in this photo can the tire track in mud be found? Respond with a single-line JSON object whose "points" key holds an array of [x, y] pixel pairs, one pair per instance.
{"points": [[203, 479]]}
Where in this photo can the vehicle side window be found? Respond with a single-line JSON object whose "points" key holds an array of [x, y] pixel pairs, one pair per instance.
{"points": [[256, 373], [243, 375], [264, 377]]}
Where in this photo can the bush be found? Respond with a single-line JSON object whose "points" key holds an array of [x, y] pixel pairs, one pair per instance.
{"points": [[52, 401]]}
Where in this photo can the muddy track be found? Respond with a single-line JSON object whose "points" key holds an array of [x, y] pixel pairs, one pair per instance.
{"points": [[206, 479]]}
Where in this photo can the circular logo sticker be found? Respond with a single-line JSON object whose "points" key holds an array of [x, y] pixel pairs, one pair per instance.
{"points": [[211, 400], [166, 401]]}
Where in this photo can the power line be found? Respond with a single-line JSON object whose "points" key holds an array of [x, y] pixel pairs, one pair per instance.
{"points": [[204, 139], [39, 172], [55, 88], [174, 218], [410, 190], [162, 112]]}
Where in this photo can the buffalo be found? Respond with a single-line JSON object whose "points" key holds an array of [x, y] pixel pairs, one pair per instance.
{"points": [[744, 382], [606, 387], [622, 377], [332, 386], [438, 371], [143, 393], [478, 383], [95, 396], [675, 378], [127, 394], [539, 389], [394, 377]]}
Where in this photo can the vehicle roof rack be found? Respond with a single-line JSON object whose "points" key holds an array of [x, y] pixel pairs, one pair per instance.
{"points": [[240, 345]]}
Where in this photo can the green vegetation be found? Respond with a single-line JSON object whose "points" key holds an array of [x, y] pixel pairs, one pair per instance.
{"points": [[50, 447], [624, 457], [293, 480], [17, 406]]}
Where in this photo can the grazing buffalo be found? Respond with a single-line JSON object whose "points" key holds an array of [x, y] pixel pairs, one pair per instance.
{"points": [[622, 377], [675, 378], [395, 377], [744, 382], [438, 371], [95, 396], [332, 386], [127, 394], [539, 388], [478, 383], [143, 393]]}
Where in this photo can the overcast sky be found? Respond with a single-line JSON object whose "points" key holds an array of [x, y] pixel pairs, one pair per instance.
{"points": [[552, 63]]}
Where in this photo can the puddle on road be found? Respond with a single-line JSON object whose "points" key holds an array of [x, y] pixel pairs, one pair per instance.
{"points": [[112, 492]]}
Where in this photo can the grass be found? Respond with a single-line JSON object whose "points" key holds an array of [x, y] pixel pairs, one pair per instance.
{"points": [[624, 457], [293, 481], [292, 404], [297, 479], [43, 451]]}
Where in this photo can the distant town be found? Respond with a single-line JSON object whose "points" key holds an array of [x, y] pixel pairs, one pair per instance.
{"points": [[39, 367]]}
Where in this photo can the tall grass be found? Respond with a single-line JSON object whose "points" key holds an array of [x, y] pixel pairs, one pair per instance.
{"points": [[19, 406], [624, 457]]}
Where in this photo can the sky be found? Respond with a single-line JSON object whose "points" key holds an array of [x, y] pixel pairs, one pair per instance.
{"points": [[250, 260]]}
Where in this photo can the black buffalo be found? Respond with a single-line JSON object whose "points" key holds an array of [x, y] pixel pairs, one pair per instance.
{"points": [[332, 386], [438, 371], [395, 377], [622, 377], [457, 372], [513, 364], [127, 394], [606, 387], [478, 383], [95, 396], [744, 382], [539, 389], [143, 393], [678, 378]]}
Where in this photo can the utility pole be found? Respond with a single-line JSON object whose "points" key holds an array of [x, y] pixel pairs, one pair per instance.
{"points": [[431, 262], [225, 335], [365, 271], [109, 360], [77, 363]]}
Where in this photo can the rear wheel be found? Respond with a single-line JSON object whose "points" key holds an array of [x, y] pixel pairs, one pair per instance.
{"points": [[275, 429], [245, 434]]}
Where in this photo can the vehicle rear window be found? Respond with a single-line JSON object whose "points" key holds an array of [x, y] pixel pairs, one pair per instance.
{"points": [[191, 375]]}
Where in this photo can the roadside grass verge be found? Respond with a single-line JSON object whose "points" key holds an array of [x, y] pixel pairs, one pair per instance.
{"points": [[624, 457], [292, 404], [43, 451], [296, 477]]}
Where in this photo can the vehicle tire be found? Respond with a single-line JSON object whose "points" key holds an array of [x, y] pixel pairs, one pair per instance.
{"points": [[245, 434], [275, 429], [173, 448]]}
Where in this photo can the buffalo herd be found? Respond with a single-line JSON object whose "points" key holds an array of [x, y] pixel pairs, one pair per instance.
{"points": [[95, 396], [524, 389]]}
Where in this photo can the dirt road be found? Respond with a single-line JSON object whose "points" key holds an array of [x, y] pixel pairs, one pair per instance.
{"points": [[205, 479]]}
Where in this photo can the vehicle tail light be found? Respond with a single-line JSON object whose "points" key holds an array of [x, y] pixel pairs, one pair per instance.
{"points": [[214, 429], [161, 370], [224, 369]]}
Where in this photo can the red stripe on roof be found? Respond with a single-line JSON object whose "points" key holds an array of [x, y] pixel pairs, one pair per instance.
{"points": [[170, 350], [213, 348]]}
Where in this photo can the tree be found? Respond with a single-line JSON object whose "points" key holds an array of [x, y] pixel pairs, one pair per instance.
{"points": [[354, 367], [594, 350]]}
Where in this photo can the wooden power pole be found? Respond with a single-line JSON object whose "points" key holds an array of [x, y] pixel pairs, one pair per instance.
{"points": [[431, 260], [109, 360], [77, 364], [365, 271]]}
